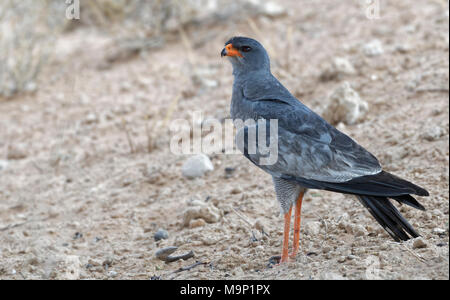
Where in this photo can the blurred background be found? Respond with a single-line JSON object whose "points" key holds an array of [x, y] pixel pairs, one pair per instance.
{"points": [[90, 189]]}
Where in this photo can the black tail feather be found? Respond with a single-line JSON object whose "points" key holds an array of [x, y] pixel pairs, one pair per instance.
{"points": [[373, 192], [382, 184], [409, 200], [389, 217]]}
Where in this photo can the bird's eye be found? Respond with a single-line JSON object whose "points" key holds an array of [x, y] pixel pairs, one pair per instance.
{"points": [[246, 48]]}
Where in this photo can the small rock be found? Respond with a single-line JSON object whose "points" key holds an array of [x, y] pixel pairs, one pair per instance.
{"points": [[3, 165], [438, 231], [229, 172], [107, 263], [345, 105], [77, 235], [163, 253], [339, 67], [235, 191], [161, 234], [91, 118], [152, 174], [312, 228], [373, 48], [30, 87], [16, 152], [272, 9], [259, 225], [342, 259], [359, 230], [403, 48], [112, 274], [432, 134], [197, 166], [326, 249], [197, 223], [419, 243], [208, 213]]}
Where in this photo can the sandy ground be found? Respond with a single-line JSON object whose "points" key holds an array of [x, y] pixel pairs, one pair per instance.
{"points": [[76, 202]]}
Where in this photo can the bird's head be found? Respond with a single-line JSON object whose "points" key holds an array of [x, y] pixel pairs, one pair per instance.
{"points": [[246, 55]]}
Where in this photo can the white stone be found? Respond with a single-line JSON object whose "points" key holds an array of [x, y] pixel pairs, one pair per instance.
{"points": [[197, 166], [373, 48], [206, 212], [359, 230], [345, 105], [438, 231], [312, 228], [3, 165]]}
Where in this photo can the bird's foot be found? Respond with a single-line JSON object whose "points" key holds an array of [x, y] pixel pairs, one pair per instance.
{"points": [[274, 261], [277, 260], [294, 253]]}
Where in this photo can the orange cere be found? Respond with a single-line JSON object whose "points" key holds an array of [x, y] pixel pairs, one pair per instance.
{"points": [[231, 51]]}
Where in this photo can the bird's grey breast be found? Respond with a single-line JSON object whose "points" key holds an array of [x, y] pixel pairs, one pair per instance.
{"points": [[241, 108]]}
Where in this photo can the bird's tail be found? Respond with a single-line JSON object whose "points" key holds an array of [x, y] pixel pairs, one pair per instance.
{"points": [[389, 217]]}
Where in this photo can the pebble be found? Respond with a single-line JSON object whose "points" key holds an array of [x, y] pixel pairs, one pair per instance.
{"points": [[339, 68], [208, 213], [229, 172], [438, 231], [30, 87], [3, 165], [312, 228], [112, 274], [345, 105], [16, 152], [152, 174], [432, 134], [373, 48], [419, 243], [161, 234], [91, 118], [197, 166], [359, 230], [259, 225], [272, 9]]}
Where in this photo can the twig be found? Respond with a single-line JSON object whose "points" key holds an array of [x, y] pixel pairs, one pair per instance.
{"points": [[164, 254], [187, 268], [171, 109], [188, 45], [130, 141], [10, 226], [243, 218], [37, 166], [420, 258]]}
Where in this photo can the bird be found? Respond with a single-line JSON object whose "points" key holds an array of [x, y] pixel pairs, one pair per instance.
{"points": [[312, 154]]}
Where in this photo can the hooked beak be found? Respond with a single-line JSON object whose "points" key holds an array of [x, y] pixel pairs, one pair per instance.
{"points": [[223, 53], [229, 50]]}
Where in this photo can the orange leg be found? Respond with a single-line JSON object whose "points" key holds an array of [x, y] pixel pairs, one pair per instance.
{"points": [[297, 218], [287, 225]]}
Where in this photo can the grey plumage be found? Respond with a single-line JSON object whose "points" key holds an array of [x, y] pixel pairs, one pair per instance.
{"points": [[311, 152], [287, 192]]}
